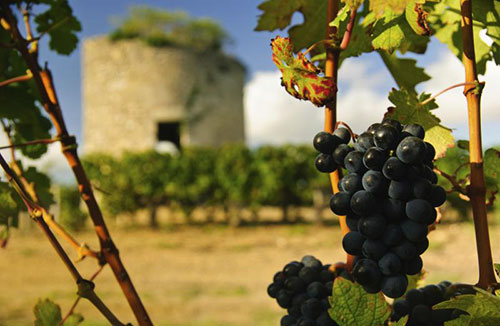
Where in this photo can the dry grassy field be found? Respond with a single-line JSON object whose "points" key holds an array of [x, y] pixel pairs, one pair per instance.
{"points": [[201, 276]]}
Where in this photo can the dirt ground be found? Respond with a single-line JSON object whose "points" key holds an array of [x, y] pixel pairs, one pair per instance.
{"points": [[203, 276]]}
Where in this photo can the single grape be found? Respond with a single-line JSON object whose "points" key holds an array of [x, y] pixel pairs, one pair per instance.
{"points": [[273, 289], [284, 299], [372, 288], [394, 286], [421, 245], [353, 243], [414, 130], [405, 250], [340, 153], [429, 174], [392, 235], [386, 137], [394, 169], [305, 321], [343, 134], [372, 226], [325, 163], [390, 264], [373, 127], [351, 183], [311, 261], [438, 196], [401, 307], [415, 297], [366, 272], [432, 294], [421, 188], [324, 142], [364, 142], [374, 249], [352, 221], [340, 203], [295, 284], [374, 158], [413, 266], [292, 269], [414, 231], [419, 210], [399, 190], [393, 123], [373, 181], [353, 162], [363, 203], [411, 150]]}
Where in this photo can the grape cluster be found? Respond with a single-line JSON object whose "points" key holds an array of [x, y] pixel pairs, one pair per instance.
{"points": [[303, 289], [418, 305], [388, 197]]}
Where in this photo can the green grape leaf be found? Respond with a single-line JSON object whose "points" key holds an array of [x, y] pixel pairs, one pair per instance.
{"points": [[353, 4], [277, 14], [352, 306], [405, 72], [409, 110], [416, 17], [445, 20], [47, 313], [378, 7], [9, 207], [497, 269], [42, 185], [73, 320], [299, 76], [313, 28], [401, 322], [341, 16], [60, 24], [392, 32], [483, 309]]}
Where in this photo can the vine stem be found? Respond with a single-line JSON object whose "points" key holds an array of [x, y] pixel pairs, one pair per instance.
{"points": [[477, 187], [447, 89], [17, 79], [44, 82], [331, 70]]}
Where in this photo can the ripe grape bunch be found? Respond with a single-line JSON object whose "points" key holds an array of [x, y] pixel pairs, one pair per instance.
{"points": [[303, 289], [418, 303], [388, 197]]}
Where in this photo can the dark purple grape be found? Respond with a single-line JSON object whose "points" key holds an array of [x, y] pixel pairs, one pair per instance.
{"points": [[390, 264], [351, 183], [364, 142], [394, 169], [366, 272], [287, 320], [324, 142], [325, 163], [374, 249], [352, 221], [414, 231], [317, 290], [372, 128], [273, 289], [373, 226], [399, 190], [340, 153], [340, 203], [413, 266], [292, 269], [386, 137], [394, 209], [419, 210], [374, 158], [373, 181], [421, 314], [393, 123], [405, 250], [422, 245], [363, 203], [343, 134], [392, 235], [438, 196], [353, 243], [414, 130], [353, 162], [311, 308], [394, 286], [411, 150], [430, 152]]}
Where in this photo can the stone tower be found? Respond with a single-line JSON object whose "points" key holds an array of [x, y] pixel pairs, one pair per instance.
{"points": [[139, 97]]}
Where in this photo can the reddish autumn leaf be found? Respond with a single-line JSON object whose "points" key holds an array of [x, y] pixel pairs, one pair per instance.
{"points": [[300, 76]]}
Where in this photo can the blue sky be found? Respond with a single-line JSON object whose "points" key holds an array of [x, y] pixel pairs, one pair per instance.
{"points": [[271, 115]]}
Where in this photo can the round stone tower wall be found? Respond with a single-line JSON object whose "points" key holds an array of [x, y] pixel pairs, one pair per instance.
{"points": [[129, 88]]}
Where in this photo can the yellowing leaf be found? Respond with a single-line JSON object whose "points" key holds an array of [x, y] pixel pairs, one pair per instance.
{"points": [[379, 6], [351, 305], [300, 77]]}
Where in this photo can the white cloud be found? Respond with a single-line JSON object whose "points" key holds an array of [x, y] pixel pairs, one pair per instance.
{"points": [[272, 116]]}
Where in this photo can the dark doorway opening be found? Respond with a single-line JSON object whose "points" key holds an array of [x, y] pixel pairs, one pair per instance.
{"points": [[169, 131]]}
